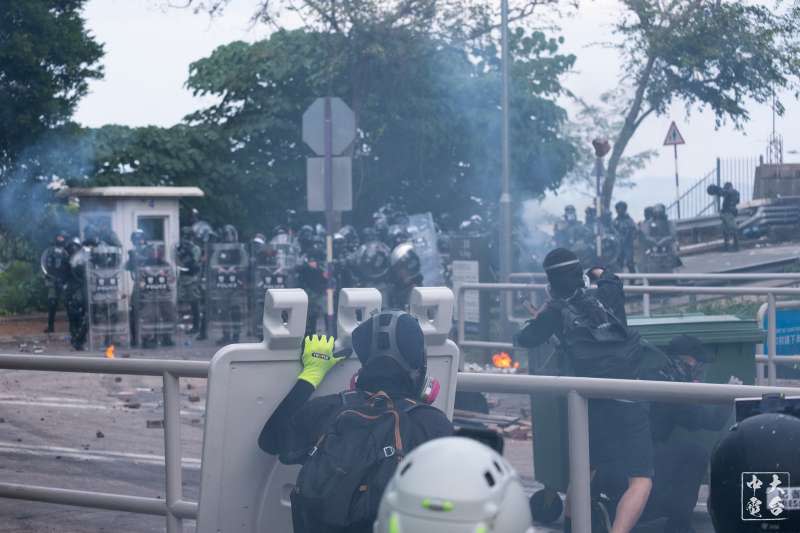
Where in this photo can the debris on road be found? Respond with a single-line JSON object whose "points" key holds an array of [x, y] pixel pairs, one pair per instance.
{"points": [[194, 397], [100, 435], [132, 405], [117, 379], [155, 424]]}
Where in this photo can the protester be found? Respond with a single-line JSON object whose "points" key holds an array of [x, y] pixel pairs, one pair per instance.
{"points": [[454, 485], [594, 341], [350, 443]]}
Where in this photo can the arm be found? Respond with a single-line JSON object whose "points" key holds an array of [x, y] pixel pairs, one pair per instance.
{"points": [[540, 328], [610, 292], [274, 437], [285, 429]]}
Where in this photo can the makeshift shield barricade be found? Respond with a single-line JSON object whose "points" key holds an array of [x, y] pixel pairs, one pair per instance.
{"points": [[244, 489], [108, 310], [227, 289], [155, 303]]}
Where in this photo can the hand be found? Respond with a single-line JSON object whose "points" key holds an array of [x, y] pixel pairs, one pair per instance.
{"points": [[317, 359]]}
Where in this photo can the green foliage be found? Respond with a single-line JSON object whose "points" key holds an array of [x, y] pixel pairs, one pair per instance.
{"points": [[713, 54], [22, 289], [427, 115], [47, 57]]}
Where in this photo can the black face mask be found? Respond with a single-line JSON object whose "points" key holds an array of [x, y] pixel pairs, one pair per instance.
{"points": [[691, 372]]}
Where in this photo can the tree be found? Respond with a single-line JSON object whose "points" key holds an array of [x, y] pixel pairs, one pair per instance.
{"points": [[47, 57], [711, 54], [428, 128]]}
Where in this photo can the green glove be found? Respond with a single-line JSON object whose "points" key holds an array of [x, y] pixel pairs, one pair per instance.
{"points": [[317, 359]]}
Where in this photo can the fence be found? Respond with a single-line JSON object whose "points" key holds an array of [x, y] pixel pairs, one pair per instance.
{"points": [[174, 507], [696, 202], [769, 292], [646, 278], [761, 359]]}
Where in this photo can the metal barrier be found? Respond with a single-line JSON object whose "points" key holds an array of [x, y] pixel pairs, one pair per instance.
{"points": [[174, 507], [579, 390], [769, 292], [646, 278]]}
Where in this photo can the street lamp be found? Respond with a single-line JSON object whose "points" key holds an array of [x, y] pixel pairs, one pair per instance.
{"points": [[601, 148]]}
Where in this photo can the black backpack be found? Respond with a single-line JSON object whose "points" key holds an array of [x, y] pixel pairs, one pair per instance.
{"points": [[596, 343], [346, 472]]}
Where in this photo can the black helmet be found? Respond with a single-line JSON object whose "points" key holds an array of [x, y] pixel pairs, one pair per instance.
{"points": [[570, 214], [137, 237], [229, 234], [405, 263], [750, 469], [397, 235], [60, 239], [648, 212], [74, 244], [373, 260], [350, 237], [395, 336], [305, 235], [659, 211], [381, 228], [621, 207]]}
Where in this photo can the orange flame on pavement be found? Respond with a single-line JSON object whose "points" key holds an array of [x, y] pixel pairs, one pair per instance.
{"points": [[110, 352], [503, 360]]}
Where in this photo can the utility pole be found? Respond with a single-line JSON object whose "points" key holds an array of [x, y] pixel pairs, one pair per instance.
{"points": [[601, 148], [505, 196]]}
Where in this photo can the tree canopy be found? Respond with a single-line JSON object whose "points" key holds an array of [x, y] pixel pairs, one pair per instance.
{"points": [[712, 54]]}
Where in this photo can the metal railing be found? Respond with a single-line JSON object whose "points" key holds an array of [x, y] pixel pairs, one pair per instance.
{"points": [[173, 507], [646, 278], [696, 202], [769, 292], [579, 390]]}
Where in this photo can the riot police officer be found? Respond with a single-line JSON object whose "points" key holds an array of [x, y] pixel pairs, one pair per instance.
{"points": [[55, 265], [227, 285], [728, 212], [406, 273], [625, 228], [572, 234], [189, 257], [156, 298], [136, 257], [75, 297], [311, 278]]}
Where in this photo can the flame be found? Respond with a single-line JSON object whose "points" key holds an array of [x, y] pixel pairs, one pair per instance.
{"points": [[503, 360], [110, 352]]}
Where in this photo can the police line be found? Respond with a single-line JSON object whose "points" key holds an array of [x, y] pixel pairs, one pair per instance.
{"points": [[243, 489], [769, 292]]}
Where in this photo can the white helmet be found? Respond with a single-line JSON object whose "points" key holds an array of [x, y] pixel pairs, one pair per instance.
{"points": [[454, 485]]}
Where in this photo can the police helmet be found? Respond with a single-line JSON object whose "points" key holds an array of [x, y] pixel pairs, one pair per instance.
{"points": [[137, 237], [405, 263], [60, 239], [339, 245], [350, 236], [305, 235], [229, 233], [397, 234], [659, 211], [621, 207], [259, 239], [727, 186], [648, 212], [454, 485], [752, 468], [373, 261], [381, 228]]}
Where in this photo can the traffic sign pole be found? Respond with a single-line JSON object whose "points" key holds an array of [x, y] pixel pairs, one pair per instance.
{"points": [[677, 185], [329, 326]]}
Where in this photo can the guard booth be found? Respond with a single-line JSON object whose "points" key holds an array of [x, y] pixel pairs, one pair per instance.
{"points": [[730, 339], [242, 488], [154, 210]]}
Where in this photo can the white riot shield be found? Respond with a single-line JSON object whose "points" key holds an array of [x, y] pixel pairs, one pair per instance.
{"points": [[107, 302], [423, 236], [156, 299], [226, 293], [245, 490]]}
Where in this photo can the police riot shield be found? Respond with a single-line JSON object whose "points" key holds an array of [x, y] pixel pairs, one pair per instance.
{"points": [[424, 239], [156, 298], [269, 271], [226, 294], [107, 303]]}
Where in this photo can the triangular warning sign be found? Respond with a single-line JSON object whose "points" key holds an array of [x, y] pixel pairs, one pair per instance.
{"points": [[673, 136]]}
